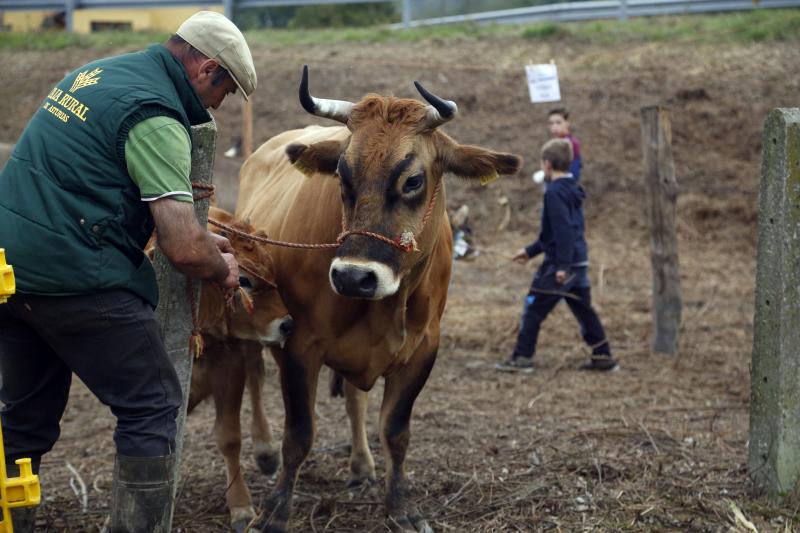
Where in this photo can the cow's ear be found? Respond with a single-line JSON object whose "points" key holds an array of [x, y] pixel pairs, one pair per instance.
{"points": [[321, 157], [476, 163]]}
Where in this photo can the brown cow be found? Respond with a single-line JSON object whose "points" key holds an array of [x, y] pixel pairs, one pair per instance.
{"points": [[234, 339], [368, 309], [5, 153]]}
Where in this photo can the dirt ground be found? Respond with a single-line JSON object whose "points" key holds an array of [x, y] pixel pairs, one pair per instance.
{"points": [[658, 446]]}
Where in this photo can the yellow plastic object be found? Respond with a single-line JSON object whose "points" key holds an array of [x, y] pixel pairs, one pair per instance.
{"points": [[7, 284], [22, 491]]}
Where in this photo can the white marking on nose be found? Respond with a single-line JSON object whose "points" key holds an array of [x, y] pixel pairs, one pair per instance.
{"points": [[274, 335], [387, 281]]}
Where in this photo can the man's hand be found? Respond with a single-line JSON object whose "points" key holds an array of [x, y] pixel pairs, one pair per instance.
{"points": [[232, 280], [561, 277], [521, 256], [190, 247], [222, 243]]}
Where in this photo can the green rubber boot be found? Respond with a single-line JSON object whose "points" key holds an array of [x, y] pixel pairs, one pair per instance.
{"points": [[140, 502], [23, 519]]}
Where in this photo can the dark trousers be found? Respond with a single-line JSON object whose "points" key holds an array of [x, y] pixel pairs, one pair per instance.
{"points": [[111, 341], [543, 296]]}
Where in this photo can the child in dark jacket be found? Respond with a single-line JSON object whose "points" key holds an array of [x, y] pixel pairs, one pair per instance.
{"points": [[563, 274]]}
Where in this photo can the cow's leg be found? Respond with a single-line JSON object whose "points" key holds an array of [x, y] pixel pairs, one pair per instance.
{"points": [[228, 376], [200, 387], [362, 465], [402, 389], [299, 387], [265, 450]]}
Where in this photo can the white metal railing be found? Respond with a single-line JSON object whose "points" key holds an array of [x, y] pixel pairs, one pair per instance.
{"points": [[602, 9]]}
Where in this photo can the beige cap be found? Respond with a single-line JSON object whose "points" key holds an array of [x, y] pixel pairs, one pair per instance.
{"points": [[218, 38]]}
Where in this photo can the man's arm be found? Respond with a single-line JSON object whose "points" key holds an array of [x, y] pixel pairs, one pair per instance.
{"points": [[189, 247], [158, 157]]}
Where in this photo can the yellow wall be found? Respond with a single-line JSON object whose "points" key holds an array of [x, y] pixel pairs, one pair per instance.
{"points": [[23, 20], [166, 19]]}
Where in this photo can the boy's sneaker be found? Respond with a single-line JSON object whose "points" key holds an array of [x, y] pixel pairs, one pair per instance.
{"points": [[517, 363], [601, 363]]}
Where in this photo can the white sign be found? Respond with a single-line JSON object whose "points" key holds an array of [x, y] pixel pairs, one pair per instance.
{"points": [[543, 83]]}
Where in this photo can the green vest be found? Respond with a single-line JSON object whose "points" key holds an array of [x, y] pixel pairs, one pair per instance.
{"points": [[71, 218]]}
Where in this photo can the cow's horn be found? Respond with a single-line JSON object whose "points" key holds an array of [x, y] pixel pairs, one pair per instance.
{"points": [[440, 110], [335, 109]]}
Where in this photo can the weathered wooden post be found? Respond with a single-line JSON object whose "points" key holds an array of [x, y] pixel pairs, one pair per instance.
{"points": [[247, 127], [774, 454], [174, 309], [662, 193]]}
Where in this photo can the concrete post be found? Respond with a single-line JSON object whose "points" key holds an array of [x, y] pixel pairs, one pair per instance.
{"points": [[662, 194], [174, 308], [774, 454]]}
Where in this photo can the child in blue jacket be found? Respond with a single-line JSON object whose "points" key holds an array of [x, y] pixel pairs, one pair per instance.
{"points": [[563, 274]]}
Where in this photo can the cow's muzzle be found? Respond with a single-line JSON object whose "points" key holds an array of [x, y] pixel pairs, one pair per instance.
{"points": [[363, 279], [278, 331]]}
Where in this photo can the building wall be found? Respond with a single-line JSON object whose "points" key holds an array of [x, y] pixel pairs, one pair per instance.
{"points": [[23, 20], [165, 19]]}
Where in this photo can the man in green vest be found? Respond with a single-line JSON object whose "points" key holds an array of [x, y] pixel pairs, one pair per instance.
{"points": [[104, 160]]}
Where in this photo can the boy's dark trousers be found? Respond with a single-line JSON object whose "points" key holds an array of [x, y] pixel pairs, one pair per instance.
{"points": [[543, 296], [111, 341]]}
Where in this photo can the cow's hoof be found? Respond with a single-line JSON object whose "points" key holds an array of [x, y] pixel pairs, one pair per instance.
{"points": [[363, 487], [269, 528], [241, 518], [268, 460], [240, 525], [274, 517], [411, 522]]}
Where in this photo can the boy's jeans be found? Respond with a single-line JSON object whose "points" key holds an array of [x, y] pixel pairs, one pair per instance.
{"points": [[543, 296]]}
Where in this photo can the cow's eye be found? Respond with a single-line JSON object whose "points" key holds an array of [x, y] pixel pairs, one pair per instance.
{"points": [[244, 281], [413, 183]]}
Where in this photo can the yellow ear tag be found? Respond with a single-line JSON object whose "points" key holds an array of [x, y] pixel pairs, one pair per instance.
{"points": [[486, 180], [306, 170]]}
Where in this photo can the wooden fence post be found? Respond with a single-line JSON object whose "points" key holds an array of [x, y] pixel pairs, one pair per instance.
{"points": [[774, 454], [174, 309], [662, 193], [247, 127]]}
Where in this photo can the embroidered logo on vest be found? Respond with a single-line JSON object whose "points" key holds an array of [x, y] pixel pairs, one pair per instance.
{"points": [[86, 78]]}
